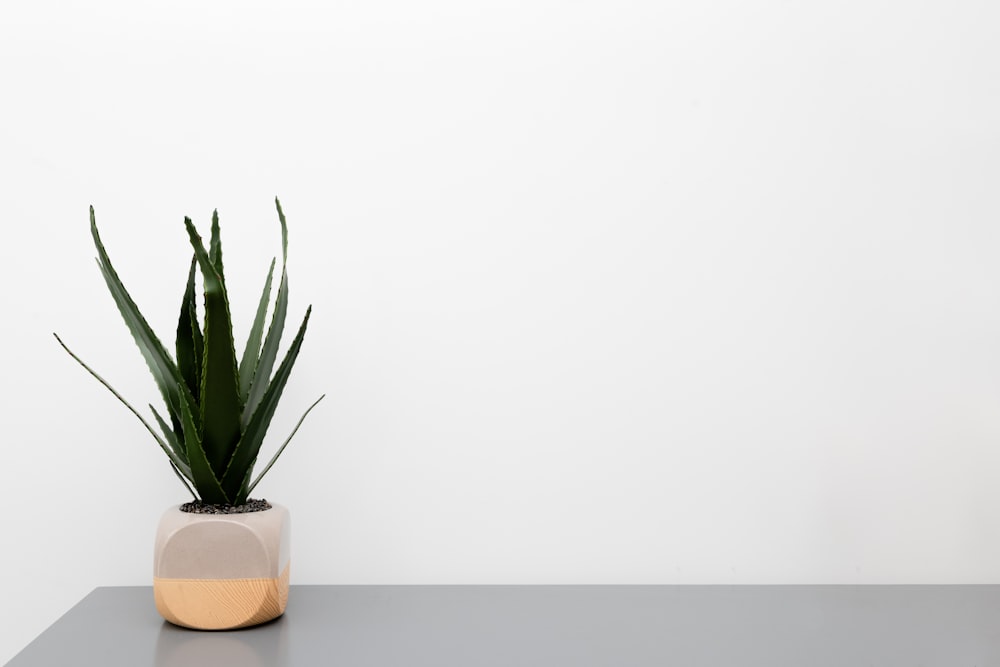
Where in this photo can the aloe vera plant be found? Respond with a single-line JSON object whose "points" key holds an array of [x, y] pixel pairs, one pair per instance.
{"points": [[218, 409]]}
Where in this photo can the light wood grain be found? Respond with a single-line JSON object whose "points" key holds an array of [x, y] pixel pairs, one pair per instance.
{"points": [[221, 604]]}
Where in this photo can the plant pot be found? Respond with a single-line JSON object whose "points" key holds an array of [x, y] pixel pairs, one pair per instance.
{"points": [[221, 571]]}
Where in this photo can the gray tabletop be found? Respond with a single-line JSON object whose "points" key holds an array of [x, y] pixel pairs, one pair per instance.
{"points": [[514, 626]]}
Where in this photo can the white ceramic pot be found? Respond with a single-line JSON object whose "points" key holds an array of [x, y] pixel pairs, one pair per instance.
{"points": [[221, 571]]}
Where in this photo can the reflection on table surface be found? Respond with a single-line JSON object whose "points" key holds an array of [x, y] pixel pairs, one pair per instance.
{"points": [[182, 647]]}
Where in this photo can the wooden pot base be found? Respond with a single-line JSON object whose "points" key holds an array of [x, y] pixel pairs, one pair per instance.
{"points": [[221, 571], [221, 604]]}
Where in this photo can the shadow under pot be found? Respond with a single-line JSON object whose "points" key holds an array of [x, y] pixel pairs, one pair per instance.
{"points": [[221, 571]]}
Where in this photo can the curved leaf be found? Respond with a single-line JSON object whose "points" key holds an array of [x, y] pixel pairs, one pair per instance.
{"points": [[183, 481], [253, 436], [262, 374], [174, 459], [282, 448], [166, 374]]}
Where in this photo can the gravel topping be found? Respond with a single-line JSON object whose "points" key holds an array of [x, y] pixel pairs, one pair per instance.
{"points": [[251, 505]]}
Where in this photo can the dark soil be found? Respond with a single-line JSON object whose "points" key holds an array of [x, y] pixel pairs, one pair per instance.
{"points": [[251, 505]]}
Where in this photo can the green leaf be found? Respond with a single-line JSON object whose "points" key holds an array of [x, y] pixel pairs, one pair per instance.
{"points": [[241, 497], [163, 382], [248, 364], [284, 231], [174, 458], [253, 436], [172, 438], [262, 374], [183, 481], [284, 444], [166, 374], [188, 360], [221, 407], [215, 246], [204, 479], [199, 347]]}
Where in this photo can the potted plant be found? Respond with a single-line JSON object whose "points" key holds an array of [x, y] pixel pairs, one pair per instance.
{"points": [[221, 561]]}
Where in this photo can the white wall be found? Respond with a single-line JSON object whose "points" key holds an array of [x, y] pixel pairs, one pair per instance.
{"points": [[604, 291]]}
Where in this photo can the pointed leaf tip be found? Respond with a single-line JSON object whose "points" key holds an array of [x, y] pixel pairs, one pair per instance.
{"points": [[165, 372], [284, 233], [284, 444], [163, 445], [246, 452], [215, 246], [219, 391], [251, 354]]}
